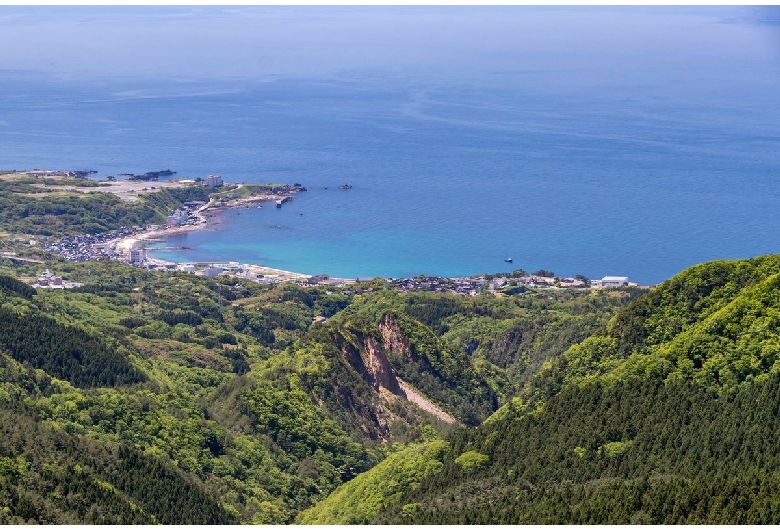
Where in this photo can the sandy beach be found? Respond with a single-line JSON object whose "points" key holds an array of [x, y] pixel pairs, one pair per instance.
{"points": [[126, 243], [207, 219]]}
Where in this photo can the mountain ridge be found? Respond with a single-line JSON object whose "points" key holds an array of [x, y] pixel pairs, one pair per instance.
{"points": [[271, 397], [675, 398]]}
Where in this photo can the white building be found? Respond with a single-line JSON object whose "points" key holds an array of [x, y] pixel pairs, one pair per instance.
{"points": [[213, 181], [179, 217], [212, 271], [137, 255], [610, 281]]}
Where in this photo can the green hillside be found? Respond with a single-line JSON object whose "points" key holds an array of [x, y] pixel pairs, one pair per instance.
{"points": [[50, 476], [141, 394], [27, 209], [228, 389], [667, 415], [714, 324], [633, 452], [361, 499]]}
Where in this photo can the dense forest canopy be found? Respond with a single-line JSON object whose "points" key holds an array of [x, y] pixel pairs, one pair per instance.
{"points": [[143, 394]]}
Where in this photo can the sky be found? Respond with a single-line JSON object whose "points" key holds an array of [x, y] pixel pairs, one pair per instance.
{"points": [[265, 42]]}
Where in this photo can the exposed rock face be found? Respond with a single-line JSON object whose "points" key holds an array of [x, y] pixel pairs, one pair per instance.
{"points": [[368, 355], [392, 338], [370, 361], [396, 343], [379, 367]]}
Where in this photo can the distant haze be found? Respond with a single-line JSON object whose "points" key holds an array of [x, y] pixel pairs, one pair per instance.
{"points": [[264, 42], [583, 140]]}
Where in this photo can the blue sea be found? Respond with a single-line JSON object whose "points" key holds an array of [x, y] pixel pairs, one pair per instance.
{"points": [[638, 162]]}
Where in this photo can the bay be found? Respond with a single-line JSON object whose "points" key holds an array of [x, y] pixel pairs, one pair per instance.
{"points": [[575, 168]]}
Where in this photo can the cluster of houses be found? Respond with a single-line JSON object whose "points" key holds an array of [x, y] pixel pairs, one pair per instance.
{"points": [[473, 285], [49, 280], [186, 215], [210, 270], [180, 217], [90, 246], [438, 284], [324, 279]]}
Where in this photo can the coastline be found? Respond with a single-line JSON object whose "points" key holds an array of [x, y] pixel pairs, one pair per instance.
{"points": [[208, 218]]}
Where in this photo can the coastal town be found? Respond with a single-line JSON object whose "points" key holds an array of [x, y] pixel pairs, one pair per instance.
{"points": [[126, 244], [130, 244], [114, 246]]}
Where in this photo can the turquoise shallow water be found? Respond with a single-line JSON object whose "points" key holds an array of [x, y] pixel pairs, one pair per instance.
{"points": [[581, 170]]}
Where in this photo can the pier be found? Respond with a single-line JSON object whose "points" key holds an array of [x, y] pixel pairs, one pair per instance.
{"points": [[283, 200]]}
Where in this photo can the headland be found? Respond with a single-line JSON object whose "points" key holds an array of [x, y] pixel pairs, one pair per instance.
{"points": [[200, 215]]}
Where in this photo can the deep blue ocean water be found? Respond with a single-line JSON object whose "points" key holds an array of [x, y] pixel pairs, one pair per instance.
{"points": [[575, 170]]}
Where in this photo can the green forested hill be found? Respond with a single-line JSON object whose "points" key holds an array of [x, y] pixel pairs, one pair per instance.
{"points": [[50, 476], [550, 406], [668, 414], [633, 452], [714, 324], [25, 209], [361, 499], [228, 390]]}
